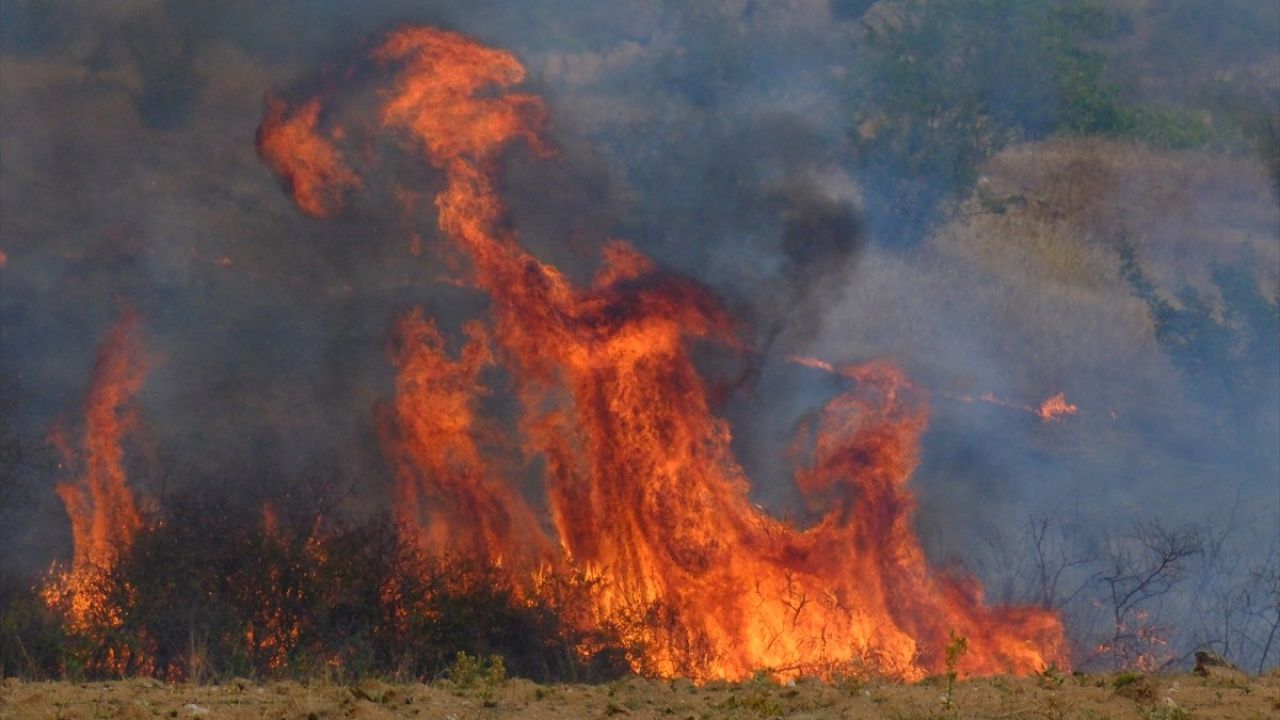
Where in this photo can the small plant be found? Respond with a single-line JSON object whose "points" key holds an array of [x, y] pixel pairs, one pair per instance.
{"points": [[1127, 677], [1168, 710], [1051, 677], [1136, 686], [754, 704], [956, 649], [471, 675], [757, 699], [849, 683]]}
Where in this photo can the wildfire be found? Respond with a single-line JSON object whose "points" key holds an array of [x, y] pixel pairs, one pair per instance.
{"points": [[307, 163], [104, 515], [812, 362], [1056, 407], [641, 486], [1051, 409]]}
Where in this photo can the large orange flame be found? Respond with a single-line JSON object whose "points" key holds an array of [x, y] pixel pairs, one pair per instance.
{"points": [[471, 512], [306, 162], [642, 489], [104, 515]]}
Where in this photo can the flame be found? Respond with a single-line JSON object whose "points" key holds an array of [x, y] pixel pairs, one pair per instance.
{"points": [[642, 490], [812, 362], [1051, 409], [103, 512], [472, 513], [307, 162], [104, 516], [1056, 407]]}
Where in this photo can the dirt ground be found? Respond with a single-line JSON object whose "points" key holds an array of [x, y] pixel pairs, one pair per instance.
{"points": [[1094, 697]]}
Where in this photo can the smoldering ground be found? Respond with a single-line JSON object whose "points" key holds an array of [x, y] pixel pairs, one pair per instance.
{"points": [[723, 140]]}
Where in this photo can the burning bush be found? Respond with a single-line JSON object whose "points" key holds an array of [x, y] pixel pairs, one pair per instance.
{"points": [[203, 594], [643, 492], [648, 556]]}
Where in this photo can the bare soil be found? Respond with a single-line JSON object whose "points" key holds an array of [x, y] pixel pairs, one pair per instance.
{"points": [[1093, 697]]}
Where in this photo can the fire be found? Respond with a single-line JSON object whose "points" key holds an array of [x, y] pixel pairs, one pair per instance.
{"points": [[471, 512], [307, 162], [104, 514], [642, 489], [1051, 409], [812, 362], [1056, 407]]}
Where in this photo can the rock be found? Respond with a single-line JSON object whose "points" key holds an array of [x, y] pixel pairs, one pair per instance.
{"points": [[373, 691], [1206, 659], [1210, 664]]}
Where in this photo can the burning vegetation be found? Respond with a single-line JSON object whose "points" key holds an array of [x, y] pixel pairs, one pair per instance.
{"points": [[104, 513], [564, 492], [642, 492], [649, 556]]}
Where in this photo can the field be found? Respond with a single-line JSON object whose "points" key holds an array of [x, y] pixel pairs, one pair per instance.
{"points": [[1093, 697]]}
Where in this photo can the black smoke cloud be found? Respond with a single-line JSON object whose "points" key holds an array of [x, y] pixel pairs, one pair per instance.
{"points": [[715, 136]]}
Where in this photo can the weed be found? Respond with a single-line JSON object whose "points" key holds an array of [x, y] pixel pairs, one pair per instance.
{"points": [[1168, 710], [1051, 677], [473, 676], [756, 699], [956, 649], [1127, 677]]}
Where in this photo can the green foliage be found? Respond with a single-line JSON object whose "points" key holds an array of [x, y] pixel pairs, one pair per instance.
{"points": [[1227, 353], [956, 650], [1127, 677], [951, 82], [1051, 677], [32, 642], [471, 675], [755, 698], [1267, 140], [1164, 128], [1168, 710], [938, 99], [1087, 101]]}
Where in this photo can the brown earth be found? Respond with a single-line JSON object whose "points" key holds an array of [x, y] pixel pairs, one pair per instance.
{"points": [[1094, 697]]}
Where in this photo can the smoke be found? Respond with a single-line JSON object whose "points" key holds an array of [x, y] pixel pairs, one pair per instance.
{"points": [[720, 140]]}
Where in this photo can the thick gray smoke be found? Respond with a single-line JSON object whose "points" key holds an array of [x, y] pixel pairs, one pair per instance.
{"points": [[723, 139]]}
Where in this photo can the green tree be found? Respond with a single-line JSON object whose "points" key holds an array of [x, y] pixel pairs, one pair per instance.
{"points": [[945, 84]]}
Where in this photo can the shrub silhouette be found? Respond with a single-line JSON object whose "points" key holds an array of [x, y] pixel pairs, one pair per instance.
{"points": [[209, 590]]}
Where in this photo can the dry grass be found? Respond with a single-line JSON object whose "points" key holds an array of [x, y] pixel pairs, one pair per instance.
{"points": [[1183, 209], [1084, 697], [1021, 294]]}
